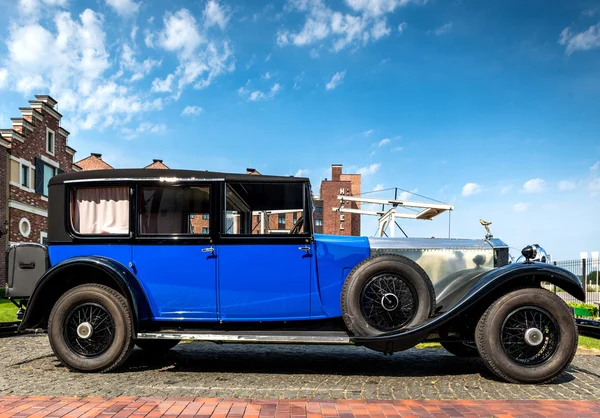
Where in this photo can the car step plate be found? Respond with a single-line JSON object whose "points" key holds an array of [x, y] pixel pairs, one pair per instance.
{"points": [[282, 337]]}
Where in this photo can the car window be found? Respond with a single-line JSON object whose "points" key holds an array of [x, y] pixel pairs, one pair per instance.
{"points": [[264, 209], [174, 210], [100, 210]]}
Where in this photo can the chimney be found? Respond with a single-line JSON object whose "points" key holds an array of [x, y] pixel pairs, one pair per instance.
{"points": [[336, 172], [250, 170], [157, 161], [97, 155]]}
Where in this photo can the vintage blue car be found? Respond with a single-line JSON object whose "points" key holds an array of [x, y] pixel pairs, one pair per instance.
{"points": [[152, 257]]}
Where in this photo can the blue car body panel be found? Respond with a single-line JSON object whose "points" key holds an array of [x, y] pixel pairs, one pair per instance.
{"points": [[264, 282], [336, 256], [180, 280], [239, 282]]}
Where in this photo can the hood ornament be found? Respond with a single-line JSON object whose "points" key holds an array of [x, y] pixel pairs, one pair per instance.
{"points": [[486, 225]]}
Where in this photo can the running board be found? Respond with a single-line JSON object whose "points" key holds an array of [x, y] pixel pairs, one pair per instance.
{"points": [[280, 337]]}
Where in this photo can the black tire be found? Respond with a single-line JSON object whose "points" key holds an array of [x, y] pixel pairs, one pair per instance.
{"points": [[502, 343], [381, 266], [156, 346], [112, 337], [460, 349]]}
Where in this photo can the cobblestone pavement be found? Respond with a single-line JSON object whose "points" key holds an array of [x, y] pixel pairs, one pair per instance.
{"points": [[282, 371], [122, 407]]}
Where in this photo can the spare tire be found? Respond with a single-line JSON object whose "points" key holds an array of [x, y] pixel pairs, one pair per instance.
{"points": [[386, 293]]}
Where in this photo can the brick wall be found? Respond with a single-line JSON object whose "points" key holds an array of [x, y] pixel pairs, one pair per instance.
{"points": [[337, 223], [3, 211], [32, 129]]}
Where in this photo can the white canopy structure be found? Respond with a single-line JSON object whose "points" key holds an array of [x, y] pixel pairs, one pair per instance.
{"points": [[388, 214]]}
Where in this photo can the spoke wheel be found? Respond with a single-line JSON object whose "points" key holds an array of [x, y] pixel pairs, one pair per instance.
{"points": [[388, 302], [530, 336], [89, 329]]}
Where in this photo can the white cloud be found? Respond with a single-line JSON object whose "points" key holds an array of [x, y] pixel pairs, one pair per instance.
{"points": [[521, 207], [505, 189], [443, 29], [380, 29], [267, 76], [258, 95], [397, 149], [163, 86], [565, 185], [405, 195], [297, 80], [180, 34], [383, 142], [130, 63], [144, 128], [376, 7], [595, 167], [533, 186], [124, 8], [302, 172], [191, 111], [336, 80], [402, 27], [365, 23], [215, 14], [378, 188], [368, 132], [3, 77], [371, 169], [32, 8], [470, 189], [582, 41], [200, 58]]}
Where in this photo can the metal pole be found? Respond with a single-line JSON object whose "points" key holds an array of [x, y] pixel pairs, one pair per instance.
{"points": [[449, 217], [583, 269], [555, 285]]}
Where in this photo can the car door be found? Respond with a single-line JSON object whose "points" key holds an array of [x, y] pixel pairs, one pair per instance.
{"points": [[264, 270], [173, 256]]}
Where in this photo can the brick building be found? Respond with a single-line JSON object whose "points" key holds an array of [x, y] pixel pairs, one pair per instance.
{"points": [[336, 223], [31, 152]]}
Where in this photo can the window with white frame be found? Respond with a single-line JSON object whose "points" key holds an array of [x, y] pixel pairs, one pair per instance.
{"points": [[50, 141], [21, 173]]}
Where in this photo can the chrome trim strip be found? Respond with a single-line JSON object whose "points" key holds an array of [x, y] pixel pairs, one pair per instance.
{"points": [[314, 338], [161, 179], [420, 244]]}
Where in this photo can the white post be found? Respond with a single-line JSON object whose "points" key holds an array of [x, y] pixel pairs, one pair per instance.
{"points": [[595, 265]]}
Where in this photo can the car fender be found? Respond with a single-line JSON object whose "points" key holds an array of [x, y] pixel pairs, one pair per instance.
{"points": [[123, 278], [501, 281]]}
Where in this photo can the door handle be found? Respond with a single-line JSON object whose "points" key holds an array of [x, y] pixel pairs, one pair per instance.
{"points": [[307, 249], [208, 250]]}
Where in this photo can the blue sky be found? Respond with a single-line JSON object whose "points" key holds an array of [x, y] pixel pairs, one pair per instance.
{"points": [[491, 106]]}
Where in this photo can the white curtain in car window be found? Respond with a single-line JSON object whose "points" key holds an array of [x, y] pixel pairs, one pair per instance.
{"points": [[103, 210]]}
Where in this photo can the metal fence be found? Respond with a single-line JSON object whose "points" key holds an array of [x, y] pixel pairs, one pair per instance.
{"points": [[588, 272]]}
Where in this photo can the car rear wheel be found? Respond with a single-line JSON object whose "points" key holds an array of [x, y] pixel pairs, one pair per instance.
{"points": [[156, 346], [386, 293], [460, 349], [91, 329], [527, 336]]}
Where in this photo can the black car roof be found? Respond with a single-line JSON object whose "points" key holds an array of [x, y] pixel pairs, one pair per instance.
{"points": [[145, 174]]}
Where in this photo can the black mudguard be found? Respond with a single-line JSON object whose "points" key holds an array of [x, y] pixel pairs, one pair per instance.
{"points": [[124, 279], [496, 280]]}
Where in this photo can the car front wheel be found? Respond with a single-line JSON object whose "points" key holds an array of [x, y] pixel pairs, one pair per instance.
{"points": [[527, 336], [91, 329]]}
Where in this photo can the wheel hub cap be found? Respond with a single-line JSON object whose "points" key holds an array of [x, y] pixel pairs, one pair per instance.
{"points": [[85, 330], [534, 337], [389, 301]]}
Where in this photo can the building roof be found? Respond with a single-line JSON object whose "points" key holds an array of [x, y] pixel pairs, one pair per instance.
{"points": [[157, 164], [167, 175], [93, 162]]}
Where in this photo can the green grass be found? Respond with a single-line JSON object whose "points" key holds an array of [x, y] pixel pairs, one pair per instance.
{"points": [[589, 342], [8, 311]]}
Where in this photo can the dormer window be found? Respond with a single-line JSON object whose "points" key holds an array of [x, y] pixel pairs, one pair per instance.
{"points": [[50, 141]]}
